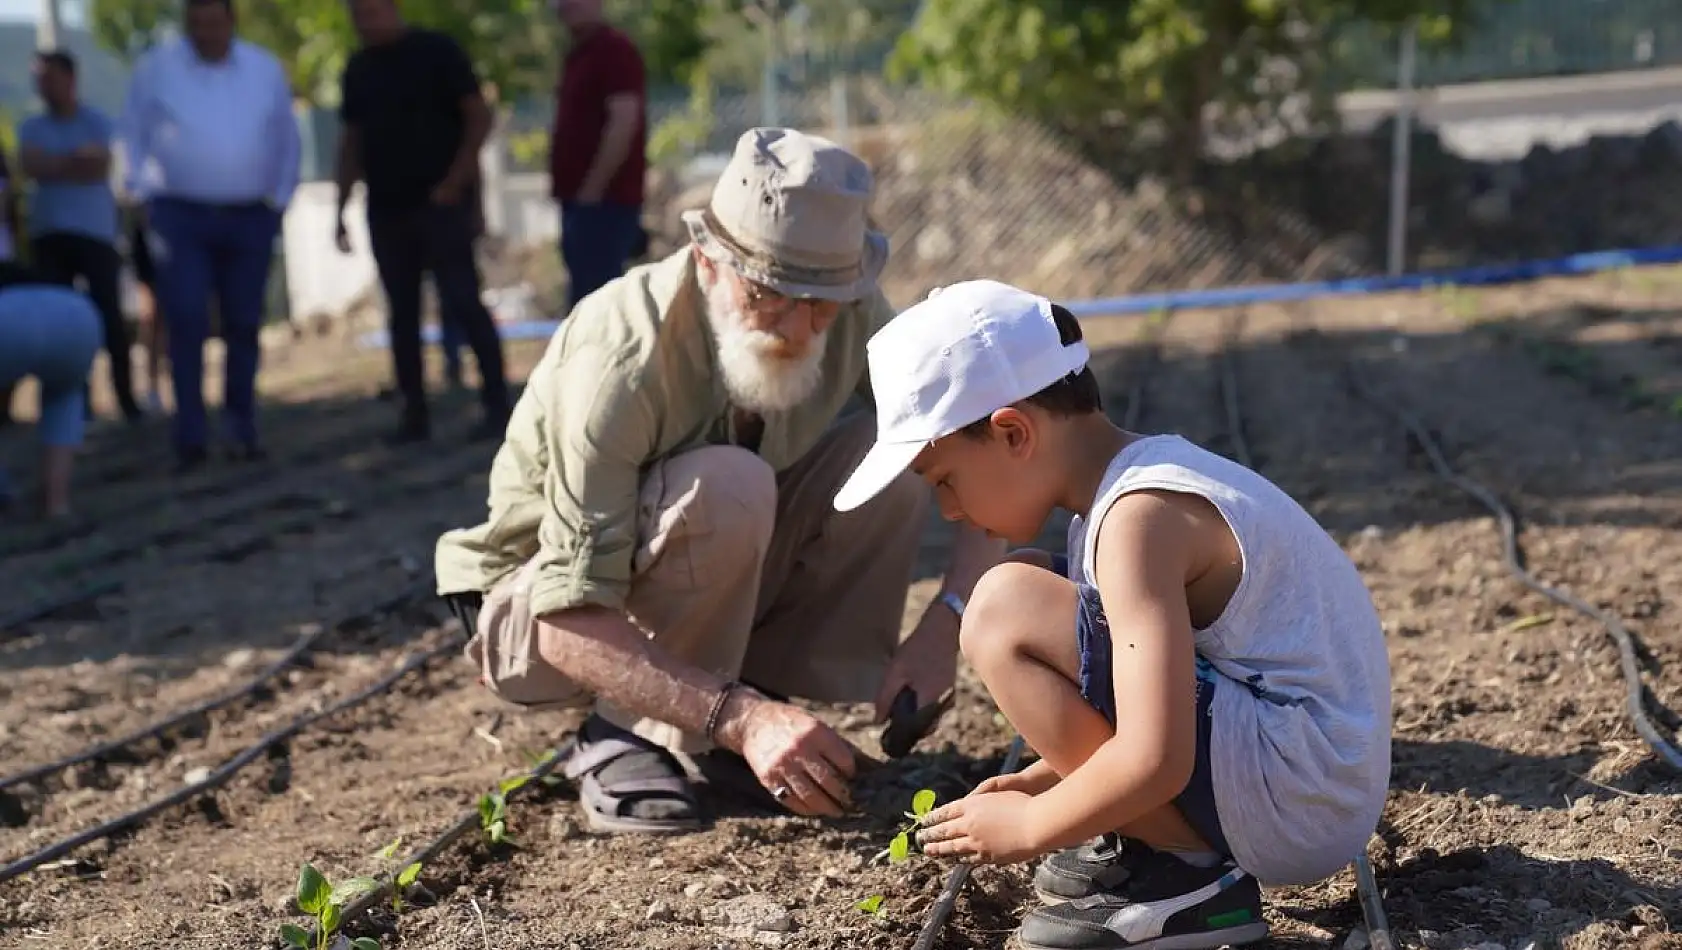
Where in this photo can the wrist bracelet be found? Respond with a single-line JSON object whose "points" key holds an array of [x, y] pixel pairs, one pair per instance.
{"points": [[953, 602], [718, 707]]}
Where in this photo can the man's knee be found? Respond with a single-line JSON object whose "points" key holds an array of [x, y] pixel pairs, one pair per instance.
{"points": [[1012, 605], [721, 499]]}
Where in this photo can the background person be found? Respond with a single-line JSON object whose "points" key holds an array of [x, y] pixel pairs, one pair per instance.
{"points": [[414, 120], [212, 150], [598, 149], [72, 212]]}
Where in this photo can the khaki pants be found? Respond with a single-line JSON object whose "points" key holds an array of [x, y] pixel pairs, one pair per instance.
{"points": [[745, 573]]}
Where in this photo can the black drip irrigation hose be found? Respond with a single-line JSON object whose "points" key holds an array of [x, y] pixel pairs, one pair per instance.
{"points": [[467, 822], [47, 606], [299, 647], [1634, 700], [227, 770], [941, 911]]}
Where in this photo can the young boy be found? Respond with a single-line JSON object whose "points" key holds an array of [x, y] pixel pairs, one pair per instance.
{"points": [[1205, 678]]}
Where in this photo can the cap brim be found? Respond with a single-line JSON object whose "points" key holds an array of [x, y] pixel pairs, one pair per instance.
{"points": [[884, 462]]}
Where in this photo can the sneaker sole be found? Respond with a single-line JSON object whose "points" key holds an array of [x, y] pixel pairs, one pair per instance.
{"points": [[1208, 940]]}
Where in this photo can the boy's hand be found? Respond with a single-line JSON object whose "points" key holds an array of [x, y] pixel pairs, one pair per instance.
{"points": [[981, 828]]}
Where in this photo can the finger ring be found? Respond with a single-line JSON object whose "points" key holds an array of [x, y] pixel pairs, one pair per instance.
{"points": [[780, 792]]}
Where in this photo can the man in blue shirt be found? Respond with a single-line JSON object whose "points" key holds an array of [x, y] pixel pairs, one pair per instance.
{"points": [[66, 150], [212, 148]]}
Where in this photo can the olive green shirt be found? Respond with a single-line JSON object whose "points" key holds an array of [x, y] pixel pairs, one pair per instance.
{"points": [[629, 379]]}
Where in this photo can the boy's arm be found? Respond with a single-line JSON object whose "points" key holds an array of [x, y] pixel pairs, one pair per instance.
{"points": [[1148, 548]]}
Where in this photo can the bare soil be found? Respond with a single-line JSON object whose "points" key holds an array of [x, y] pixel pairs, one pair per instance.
{"points": [[1525, 811]]}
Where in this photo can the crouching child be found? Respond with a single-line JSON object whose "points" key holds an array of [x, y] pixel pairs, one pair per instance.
{"points": [[1204, 676]]}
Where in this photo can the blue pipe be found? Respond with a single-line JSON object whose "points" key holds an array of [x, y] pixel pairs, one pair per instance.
{"points": [[1488, 275]]}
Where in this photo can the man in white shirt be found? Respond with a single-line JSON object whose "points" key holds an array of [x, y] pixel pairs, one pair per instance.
{"points": [[212, 149]]}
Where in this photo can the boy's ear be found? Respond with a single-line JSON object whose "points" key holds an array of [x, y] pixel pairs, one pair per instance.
{"points": [[1013, 426]]}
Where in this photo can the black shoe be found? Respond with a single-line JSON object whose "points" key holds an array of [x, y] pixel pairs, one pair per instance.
{"points": [[1166, 904], [191, 460], [1103, 864], [246, 453], [411, 431]]}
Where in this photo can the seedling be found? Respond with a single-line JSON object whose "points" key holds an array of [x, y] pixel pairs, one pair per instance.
{"points": [[325, 901], [493, 809], [539, 760], [899, 849], [404, 879], [872, 905]]}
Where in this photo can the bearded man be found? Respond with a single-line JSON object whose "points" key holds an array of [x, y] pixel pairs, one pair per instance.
{"points": [[661, 540]]}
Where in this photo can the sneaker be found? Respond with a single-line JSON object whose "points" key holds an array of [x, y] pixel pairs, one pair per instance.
{"points": [[1103, 864], [1167, 904]]}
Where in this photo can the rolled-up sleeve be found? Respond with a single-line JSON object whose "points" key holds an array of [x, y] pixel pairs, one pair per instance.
{"points": [[599, 434]]}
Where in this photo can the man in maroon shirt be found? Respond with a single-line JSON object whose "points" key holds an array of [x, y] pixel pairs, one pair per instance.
{"points": [[597, 148]]}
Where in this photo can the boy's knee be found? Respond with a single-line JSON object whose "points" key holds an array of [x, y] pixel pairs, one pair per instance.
{"points": [[1009, 603]]}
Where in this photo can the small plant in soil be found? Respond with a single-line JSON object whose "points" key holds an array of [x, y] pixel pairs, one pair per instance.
{"points": [[493, 810], [872, 905], [404, 878], [899, 849], [325, 901]]}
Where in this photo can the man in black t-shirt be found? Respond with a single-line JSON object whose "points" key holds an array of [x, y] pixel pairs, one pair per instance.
{"points": [[413, 122]]}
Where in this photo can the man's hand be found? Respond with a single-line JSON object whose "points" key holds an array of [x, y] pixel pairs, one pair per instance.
{"points": [[926, 661], [448, 192], [981, 828], [790, 748]]}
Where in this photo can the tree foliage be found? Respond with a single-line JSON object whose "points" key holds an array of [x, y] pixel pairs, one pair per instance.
{"points": [[1080, 64]]}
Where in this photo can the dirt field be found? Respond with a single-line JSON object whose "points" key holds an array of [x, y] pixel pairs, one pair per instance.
{"points": [[1525, 811]]}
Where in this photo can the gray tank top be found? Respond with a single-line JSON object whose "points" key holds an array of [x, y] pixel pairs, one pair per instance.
{"points": [[1300, 750]]}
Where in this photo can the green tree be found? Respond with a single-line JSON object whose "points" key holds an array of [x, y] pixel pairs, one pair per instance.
{"points": [[1083, 66]]}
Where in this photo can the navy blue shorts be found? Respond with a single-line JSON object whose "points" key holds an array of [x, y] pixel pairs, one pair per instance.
{"points": [[1097, 685]]}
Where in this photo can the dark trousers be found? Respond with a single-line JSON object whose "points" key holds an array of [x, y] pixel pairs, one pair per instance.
{"points": [[435, 239], [596, 241], [62, 258], [225, 251]]}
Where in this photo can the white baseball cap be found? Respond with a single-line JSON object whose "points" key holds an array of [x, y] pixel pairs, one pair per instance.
{"points": [[956, 357]]}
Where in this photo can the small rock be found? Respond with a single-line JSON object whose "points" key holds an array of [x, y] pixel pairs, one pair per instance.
{"points": [[659, 911], [753, 912], [239, 659], [1372, 532], [694, 888], [1357, 940], [562, 827], [655, 864], [196, 775], [1620, 825]]}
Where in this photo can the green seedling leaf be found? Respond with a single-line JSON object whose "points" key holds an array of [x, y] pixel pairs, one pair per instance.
{"points": [[365, 943], [922, 803], [899, 849], [512, 782], [390, 851], [350, 889], [1525, 623], [486, 809], [329, 919], [295, 936], [498, 830], [313, 891], [871, 905], [408, 875]]}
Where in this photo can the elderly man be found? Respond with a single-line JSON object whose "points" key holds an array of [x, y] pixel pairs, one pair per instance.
{"points": [[212, 148], [660, 532]]}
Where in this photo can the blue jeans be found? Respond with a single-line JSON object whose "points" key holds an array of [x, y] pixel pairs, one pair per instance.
{"points": [[206, 250], [52, 334], [596, 241]]}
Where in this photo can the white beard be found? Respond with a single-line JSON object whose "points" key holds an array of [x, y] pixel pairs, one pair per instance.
{"points": [[755, 378]]}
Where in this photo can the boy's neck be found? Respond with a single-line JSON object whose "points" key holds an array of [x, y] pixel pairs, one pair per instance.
{"points": [[1092, 444]]}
